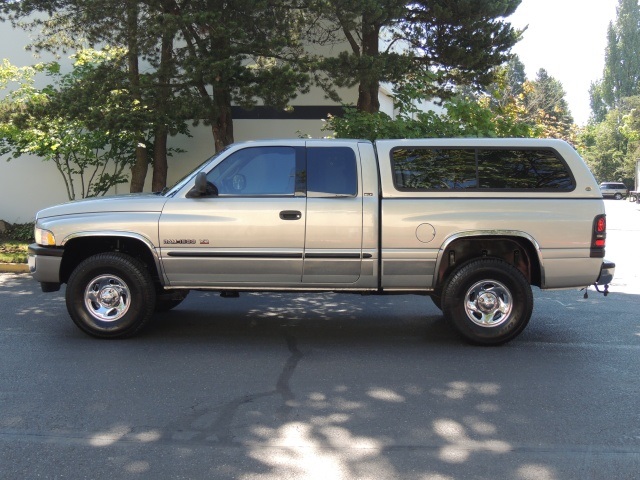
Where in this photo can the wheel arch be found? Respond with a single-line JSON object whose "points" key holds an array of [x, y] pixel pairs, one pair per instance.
{"points": [[80, 246], [516, 248]]}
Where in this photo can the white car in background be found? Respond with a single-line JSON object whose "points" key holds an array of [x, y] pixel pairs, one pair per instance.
{"points": [[617, 190]]}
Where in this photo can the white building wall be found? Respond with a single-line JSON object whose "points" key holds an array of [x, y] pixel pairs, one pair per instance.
{"points": [[28, 184]]}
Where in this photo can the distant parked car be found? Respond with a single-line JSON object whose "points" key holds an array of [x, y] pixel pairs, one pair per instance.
{"points": [[617, 190]]}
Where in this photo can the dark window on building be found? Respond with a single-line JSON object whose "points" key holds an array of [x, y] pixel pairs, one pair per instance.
{"points": [[479, 169], [332, 171]]}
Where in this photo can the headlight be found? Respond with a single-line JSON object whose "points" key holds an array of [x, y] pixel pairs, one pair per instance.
{"points": [[44, 237]]}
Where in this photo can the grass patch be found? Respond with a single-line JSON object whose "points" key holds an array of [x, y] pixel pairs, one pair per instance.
{"points": [[13, 251]]}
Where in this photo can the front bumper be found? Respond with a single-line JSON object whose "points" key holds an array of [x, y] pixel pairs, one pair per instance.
{"points": [[44, 264]]}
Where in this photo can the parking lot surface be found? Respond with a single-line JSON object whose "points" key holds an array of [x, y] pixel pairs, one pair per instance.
{"points": [[286, 386]]}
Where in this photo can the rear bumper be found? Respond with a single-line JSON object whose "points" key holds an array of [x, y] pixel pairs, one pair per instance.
{"points": [[607, 271], [44, 263]]}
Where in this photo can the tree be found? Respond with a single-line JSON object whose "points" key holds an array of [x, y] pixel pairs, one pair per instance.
{"points": [[612, 147], [91, 161], [427, 45], [507, 87], [621, 74], [211, 53], [544, 100], [512, 107], [240, 52], [142, 29], [605, 147], [462, 117], [515, 76]]}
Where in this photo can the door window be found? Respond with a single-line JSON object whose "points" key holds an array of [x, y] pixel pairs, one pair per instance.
{"points": [[256, 171], [332, 172]]}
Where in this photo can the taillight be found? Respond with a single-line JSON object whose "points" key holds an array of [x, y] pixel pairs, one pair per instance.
{"points": [[598, 236]]}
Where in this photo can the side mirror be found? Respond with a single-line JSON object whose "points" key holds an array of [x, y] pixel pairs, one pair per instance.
{"points": [[202, 188]]}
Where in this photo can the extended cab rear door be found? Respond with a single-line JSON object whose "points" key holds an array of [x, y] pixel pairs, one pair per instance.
{"points": [[334, 213]]}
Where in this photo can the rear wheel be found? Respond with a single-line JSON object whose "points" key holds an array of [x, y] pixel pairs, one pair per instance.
{"points": [[618, 196], [488, 301], [110, 295]]}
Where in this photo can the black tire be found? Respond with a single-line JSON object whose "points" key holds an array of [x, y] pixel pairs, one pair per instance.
{"points": [[166, 301], [618, 196], [110, 295], [488, 301]]}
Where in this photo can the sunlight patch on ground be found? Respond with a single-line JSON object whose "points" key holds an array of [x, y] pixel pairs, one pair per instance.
{"points": [[109, 437], [460, 445], [460, 390], [303, 451], [535, 472], [385, 395], [138, 467]]}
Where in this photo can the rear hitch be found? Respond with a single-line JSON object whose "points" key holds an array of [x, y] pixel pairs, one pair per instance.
{"points": [[605, 291]]}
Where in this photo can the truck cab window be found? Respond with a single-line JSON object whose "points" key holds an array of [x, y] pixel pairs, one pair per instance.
{"points": [[525, 169], [497, 169], [256, 171], [332, 171]]}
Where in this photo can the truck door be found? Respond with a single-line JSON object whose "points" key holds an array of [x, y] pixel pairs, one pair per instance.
{"points": [[250, 233], [333, 240]]}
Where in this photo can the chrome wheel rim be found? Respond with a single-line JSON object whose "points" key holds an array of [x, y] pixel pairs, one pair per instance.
{"points": [[488, 303], [107, 298]]}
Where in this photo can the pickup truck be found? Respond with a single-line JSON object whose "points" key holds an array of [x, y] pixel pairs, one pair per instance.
{"points": [[473, 223]]}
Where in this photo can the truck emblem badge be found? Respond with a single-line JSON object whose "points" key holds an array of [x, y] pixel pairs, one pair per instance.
{"points": [[204, 242], [181, 241]]}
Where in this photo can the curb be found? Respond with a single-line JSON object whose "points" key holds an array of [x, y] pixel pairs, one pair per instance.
{"points": [[14, 268]]}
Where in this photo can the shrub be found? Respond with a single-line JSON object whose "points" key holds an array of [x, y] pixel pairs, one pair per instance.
{"points": [[21, 231]]}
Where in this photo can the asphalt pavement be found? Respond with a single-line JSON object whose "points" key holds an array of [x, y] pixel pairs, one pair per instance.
{"points": [[327, 386]]}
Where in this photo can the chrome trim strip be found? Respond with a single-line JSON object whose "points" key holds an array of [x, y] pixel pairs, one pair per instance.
{"points": [[467, 195], [252, 255], [181, 254], [316, 287], [492, 233], [333, 255]]}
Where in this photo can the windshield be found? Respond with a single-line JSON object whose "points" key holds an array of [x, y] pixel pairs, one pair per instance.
{"points": [[184, 180]]}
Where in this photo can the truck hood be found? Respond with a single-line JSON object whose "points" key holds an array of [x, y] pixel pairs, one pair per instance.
{"points": [[134, 202]]}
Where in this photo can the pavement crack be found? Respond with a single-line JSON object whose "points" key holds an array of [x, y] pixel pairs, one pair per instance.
{"points": [[215, 424], [283, 386]]}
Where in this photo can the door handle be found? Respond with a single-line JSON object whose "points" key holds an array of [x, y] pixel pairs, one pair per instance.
{"points": [[290, 215]]}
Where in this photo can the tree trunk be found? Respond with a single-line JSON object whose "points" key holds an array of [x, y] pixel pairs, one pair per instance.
{"points": [[222, 120], [160, 166], [369, 85], [139, 168], [368, 96], [163, 96], [141, 165]]}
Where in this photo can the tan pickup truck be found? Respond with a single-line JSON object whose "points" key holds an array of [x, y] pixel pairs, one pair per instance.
{"points": [[473, 223]]}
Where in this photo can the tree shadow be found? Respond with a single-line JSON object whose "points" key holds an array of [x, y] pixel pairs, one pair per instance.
{"points": [[322, 385]]}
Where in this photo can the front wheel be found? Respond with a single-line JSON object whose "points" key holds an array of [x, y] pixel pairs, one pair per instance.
{"points": [[488, 301], [110, 295], [618, 196]]}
